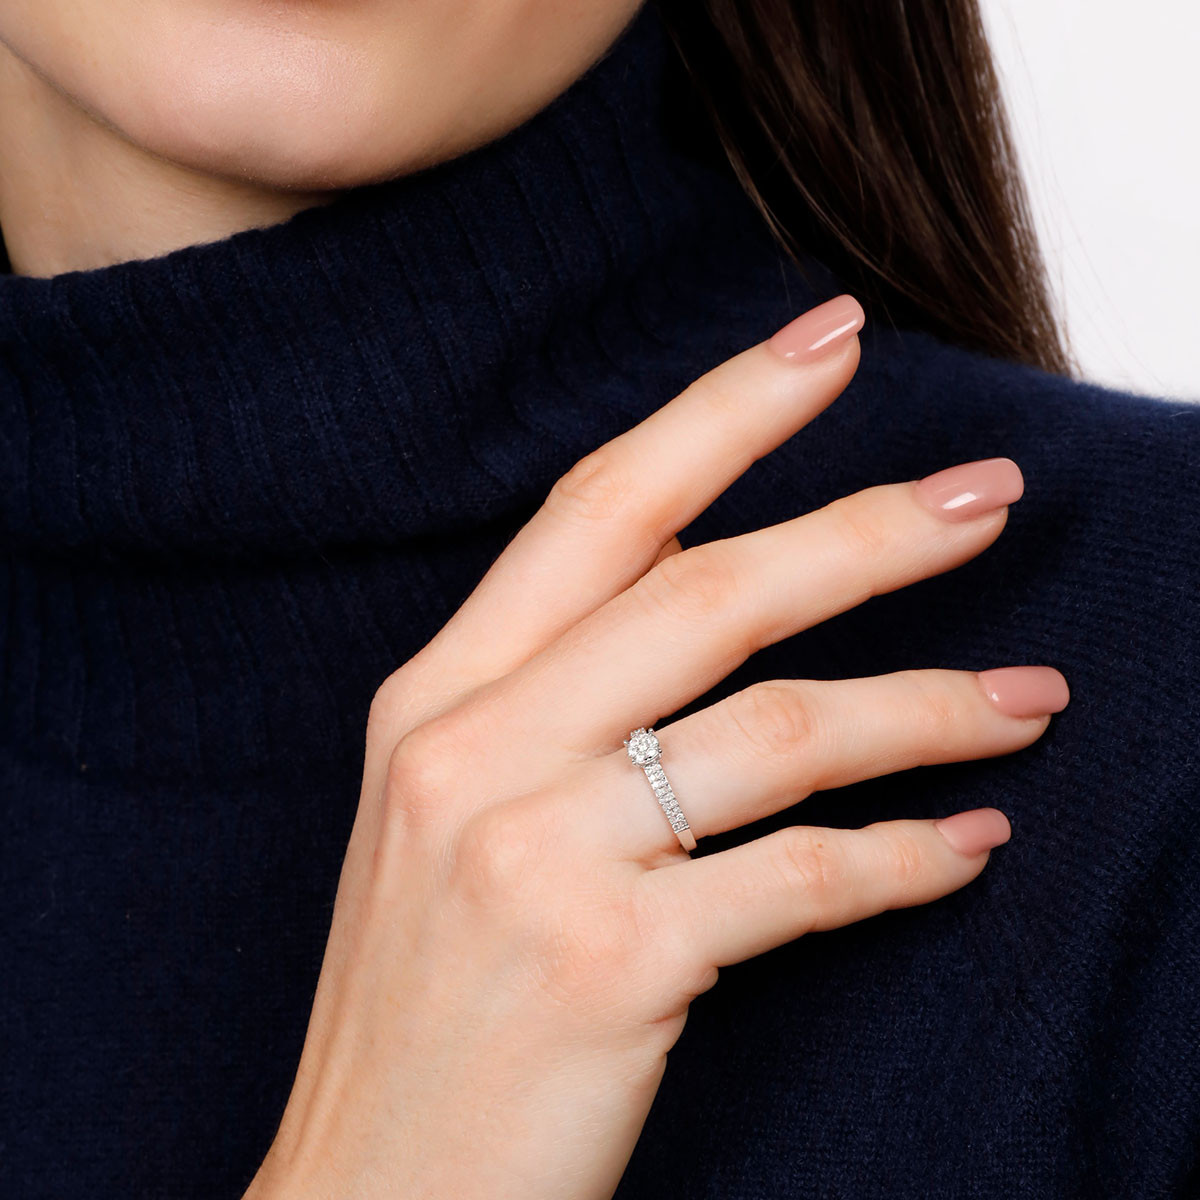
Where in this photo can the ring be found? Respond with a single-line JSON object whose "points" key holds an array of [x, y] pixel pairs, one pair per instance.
{"points": [[645, 751]]}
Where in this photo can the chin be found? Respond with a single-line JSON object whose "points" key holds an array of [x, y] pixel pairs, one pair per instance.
{"points": [[325, 96], [283, 126]]}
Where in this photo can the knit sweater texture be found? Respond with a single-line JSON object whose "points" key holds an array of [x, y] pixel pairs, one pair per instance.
{"points": [[243, 481]]}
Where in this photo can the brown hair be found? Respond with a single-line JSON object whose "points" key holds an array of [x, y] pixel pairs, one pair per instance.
{"points": [[873, 137]]}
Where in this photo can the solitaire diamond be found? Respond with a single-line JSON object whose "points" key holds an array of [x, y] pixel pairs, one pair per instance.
{"points": [[643, 747], [644, 751]]}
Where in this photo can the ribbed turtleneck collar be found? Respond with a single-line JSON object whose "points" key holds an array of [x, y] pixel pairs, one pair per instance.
{"points": [[242, 482], [325, 379]]}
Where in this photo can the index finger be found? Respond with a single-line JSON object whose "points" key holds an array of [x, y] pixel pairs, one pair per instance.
{"points": [[605, 521]]}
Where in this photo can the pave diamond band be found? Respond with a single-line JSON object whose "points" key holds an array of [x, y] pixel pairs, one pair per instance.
{"points": [[644, 751]]}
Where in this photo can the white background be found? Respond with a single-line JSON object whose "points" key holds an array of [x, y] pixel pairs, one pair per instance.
{"points": [[1104, 97]]}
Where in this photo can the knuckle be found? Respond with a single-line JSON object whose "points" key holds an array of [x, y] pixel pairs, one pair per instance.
{"points": [[396, 706], [907, 862], [596, 488], [862, 525], [811, 864], [389, 700], [693, 585], [714, 392], [934, 707], [422, 768], [775, 720], [500, 851]]}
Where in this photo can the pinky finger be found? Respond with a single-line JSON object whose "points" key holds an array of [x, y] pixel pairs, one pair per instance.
{"points": [[741, 902]]}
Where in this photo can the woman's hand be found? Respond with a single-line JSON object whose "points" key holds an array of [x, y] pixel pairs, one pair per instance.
{"points": [[518, 932]]}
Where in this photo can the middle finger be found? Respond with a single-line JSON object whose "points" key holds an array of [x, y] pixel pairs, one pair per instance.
{"points": [[776, 742]]}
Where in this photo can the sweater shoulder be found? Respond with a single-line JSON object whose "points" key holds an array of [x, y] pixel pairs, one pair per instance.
{"points": [[1108, 519], [942, 374]]}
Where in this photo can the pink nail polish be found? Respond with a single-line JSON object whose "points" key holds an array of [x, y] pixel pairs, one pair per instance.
{"points": [[1026, 691], [970, 489], [819, 331], [973, 832]]}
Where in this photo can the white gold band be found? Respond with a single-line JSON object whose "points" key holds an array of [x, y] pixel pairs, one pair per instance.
{"points": [[645, 751]]}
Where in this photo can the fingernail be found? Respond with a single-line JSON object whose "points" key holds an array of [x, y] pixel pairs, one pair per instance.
{"points": [[973, 832], [1026, 691], [819, 331], [959, 493]]}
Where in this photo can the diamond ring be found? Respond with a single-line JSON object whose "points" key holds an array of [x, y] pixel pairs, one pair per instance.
{"points": [[645, 751]]}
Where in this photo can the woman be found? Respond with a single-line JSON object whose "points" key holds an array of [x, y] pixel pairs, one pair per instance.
{"points": [[314, 319]]}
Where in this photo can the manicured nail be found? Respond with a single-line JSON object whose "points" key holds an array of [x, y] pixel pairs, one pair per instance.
{"points": [[970, 489], [819, 331], [973, 832], [1026, 691]]}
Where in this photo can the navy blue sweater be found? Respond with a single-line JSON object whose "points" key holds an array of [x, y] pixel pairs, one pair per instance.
{"points": [[243, 481]]}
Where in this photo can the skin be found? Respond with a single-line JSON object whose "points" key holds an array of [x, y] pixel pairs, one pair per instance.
{"points": [[516, 937], [132, 127]]}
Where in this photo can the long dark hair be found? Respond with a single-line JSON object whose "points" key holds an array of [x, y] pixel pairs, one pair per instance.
{"points": [[873, 136]]}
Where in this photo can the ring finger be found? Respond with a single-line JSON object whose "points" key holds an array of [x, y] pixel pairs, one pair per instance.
{"points": [[771, 744]]}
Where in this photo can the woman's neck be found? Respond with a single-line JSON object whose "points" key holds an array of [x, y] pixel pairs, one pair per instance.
{"points": [[252, 446], [75, 194]]}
